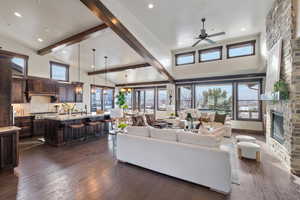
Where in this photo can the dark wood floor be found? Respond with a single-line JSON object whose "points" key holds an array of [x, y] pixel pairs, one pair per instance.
{"points": [[89, 171]]}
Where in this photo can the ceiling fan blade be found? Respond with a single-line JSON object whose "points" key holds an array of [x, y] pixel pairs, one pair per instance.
{"points": [[216, 34], [210, 41], [196, 43]]}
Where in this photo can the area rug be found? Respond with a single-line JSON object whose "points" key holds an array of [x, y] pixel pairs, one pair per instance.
{"points": [[230, 146]]}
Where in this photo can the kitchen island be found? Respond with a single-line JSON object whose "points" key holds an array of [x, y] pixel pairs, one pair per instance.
{"points": [[68, 129]]}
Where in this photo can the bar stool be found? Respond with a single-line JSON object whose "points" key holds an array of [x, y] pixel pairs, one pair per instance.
{"points": [[77, 131], [94, 129]]}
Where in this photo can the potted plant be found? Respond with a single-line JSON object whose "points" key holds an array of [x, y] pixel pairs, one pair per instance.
{"points": [[281, 90], [122, 126]]}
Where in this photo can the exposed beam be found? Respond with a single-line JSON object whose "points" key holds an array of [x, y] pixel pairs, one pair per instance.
{"points": [[118, 69], [142, 83], [99, 10], [72, 40]]}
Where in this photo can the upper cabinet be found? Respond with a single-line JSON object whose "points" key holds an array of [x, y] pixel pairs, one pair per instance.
{"points": [[41, 86], [69, 93], [18, 90]]}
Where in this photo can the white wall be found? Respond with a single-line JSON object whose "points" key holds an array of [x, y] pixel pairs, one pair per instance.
{"points": [[242, 65], [39, 66]]}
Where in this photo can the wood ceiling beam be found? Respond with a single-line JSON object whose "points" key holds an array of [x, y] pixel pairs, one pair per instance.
{"points": [[118, 69], [142, 83], [99, 10], [72, 40]]}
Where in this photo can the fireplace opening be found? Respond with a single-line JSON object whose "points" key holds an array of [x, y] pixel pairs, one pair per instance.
{"points": [[277, 131]]}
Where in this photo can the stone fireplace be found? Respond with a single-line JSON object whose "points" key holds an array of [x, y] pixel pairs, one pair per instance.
{"points": [[285, 141]]}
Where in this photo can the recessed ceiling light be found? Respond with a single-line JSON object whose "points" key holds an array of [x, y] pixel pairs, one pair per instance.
{"points": [[64, 51], [40, 39], [92, 66], [18, 14], [150, 6], [243, 29]]}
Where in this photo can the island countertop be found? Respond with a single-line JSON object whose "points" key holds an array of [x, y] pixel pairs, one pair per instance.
{"points": [[8, 129], [74, 117]]}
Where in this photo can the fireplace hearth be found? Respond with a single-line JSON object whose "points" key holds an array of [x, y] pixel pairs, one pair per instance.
{"points": [[277, 131]]}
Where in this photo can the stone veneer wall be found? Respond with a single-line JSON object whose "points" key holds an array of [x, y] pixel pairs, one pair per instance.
{"points": [[281, 23]]}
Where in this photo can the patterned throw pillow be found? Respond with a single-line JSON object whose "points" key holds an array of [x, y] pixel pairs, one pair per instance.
{"points": [[220, 118]]}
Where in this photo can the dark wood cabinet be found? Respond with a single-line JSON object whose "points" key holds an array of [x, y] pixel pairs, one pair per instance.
{"points": [[9, 152], [41, 86], [5, 91], [18, 90], [26, 125], [67, 93], [39, 127]]}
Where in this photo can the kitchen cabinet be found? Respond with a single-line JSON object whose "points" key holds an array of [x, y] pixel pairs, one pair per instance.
{"points": [[41, 86], [67, 93], [39, 127], [9, 152], [26, 125], [18, 90]]}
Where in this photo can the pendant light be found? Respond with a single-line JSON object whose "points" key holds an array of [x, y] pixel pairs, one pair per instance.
{"points": [[78, 89], [105, 62], [93, 90]]}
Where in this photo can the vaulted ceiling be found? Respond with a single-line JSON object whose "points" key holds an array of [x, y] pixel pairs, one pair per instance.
{"points": [[168, 25]]}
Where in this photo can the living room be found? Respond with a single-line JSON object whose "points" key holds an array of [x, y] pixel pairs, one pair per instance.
{"points": [[131, 100]]}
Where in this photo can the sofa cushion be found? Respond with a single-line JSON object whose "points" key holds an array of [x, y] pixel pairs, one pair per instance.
{"points": [[201, 140], [163, 134], [142, 131]]}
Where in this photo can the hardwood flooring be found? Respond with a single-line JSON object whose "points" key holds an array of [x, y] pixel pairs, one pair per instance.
{"points": [[90, 171]]}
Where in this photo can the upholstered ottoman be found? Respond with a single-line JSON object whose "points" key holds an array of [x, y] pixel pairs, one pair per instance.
{"points": [[249, 150], [245, 138]]}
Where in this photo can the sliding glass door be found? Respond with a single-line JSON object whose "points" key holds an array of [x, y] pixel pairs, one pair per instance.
{"points": [[145, 100]]}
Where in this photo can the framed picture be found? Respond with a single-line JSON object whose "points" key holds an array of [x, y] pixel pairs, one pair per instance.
{"points": [[273, 70]]}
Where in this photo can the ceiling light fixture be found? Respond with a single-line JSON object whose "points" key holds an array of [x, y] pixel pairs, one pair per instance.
{"points": [[93, 90], [78, 88], [105, 62], [150, 6], [40, 39], [17, 14], [243, 29]]}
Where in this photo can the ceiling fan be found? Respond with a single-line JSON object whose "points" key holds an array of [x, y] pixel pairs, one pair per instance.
{"points": [[204, 36]]}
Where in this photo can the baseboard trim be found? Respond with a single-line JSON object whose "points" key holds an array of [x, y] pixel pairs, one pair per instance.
{"points": [[248, 131]]}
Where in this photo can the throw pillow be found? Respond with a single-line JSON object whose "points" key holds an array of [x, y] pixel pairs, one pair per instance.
{"points": [[220, 118]]}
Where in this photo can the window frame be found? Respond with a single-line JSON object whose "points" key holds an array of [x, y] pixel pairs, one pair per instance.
{"points": [[13, 55], [67, 76], [229, 83], [193, 53], [157, 101], [178, 99], [241, 44], [259, 101], [102, 95], [201, 51]]}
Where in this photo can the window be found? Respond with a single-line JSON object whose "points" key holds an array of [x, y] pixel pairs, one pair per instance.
{"points": [[162, 98], [108, 99], [185, 97], [211, 54], [241, 49], [102, 98], [59, 71], [128, 96], [248, 104], [96, 98], [216, 97], [145, 100], [185, 58], [19, 62]]}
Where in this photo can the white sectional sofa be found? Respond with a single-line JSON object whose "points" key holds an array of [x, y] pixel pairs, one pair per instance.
{"points": [[186, 156]]}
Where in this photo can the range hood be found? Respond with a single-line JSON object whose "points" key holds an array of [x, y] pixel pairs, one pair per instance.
{"points": [[41, 87]]}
